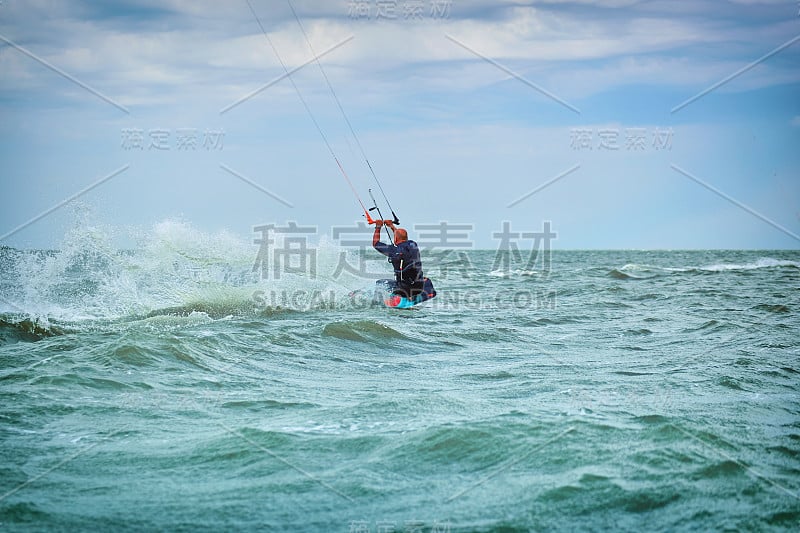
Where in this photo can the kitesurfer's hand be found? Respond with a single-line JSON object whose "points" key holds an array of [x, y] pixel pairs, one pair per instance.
{"points": [[388, 223], [378, 223]]}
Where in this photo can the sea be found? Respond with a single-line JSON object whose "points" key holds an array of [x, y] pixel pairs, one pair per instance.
{"points": [[192, 383]]}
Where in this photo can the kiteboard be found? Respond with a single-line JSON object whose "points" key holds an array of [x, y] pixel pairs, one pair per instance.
{"points": [[398, 301]]}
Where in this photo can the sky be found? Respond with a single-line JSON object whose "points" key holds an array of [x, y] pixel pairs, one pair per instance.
{"points": [[625, 124]]}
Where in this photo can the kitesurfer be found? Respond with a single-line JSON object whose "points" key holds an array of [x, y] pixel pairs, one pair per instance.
{"points": [[405, 258]]}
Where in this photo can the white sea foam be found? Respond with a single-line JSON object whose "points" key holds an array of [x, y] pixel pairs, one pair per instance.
{"points": [[174, 267]]}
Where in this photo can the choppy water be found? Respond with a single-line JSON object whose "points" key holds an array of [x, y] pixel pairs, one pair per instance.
{"points": [[625, 390]]}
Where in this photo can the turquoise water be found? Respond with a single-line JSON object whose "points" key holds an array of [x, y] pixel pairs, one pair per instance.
{"points": [[621, 390]]}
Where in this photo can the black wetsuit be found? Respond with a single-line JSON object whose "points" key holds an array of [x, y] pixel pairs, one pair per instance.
{"points": [[404, 257]]}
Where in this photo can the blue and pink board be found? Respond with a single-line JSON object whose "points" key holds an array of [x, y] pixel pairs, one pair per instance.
{"points": [[402, 302]]}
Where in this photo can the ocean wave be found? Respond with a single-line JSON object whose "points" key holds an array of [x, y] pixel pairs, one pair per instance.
{"points": [[175, 270], [524, 273], [621, 274], [772, 308], [361, 331], [637, 271], [16, 329], [764, 262], [645, 271], [479, 445]]}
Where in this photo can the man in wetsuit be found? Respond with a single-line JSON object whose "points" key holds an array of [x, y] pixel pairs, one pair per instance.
{"points": [[404, 256]]}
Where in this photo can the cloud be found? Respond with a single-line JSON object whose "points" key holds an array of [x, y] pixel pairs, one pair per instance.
{"points": [[169, 53]]}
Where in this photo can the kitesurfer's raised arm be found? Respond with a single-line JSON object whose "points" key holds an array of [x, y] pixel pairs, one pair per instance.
{"points": [[376, 236]]}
